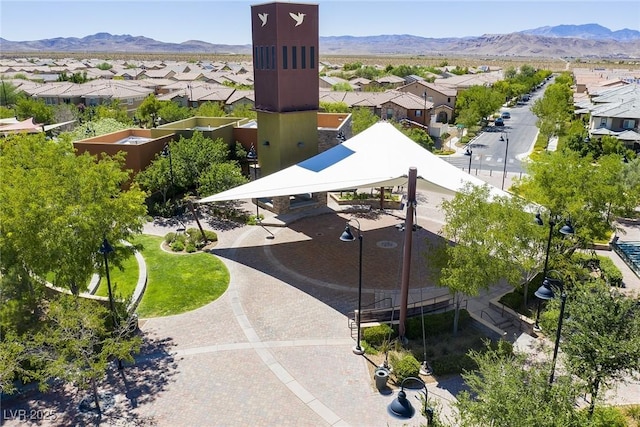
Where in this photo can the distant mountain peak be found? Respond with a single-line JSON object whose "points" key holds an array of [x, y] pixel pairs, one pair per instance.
{"points": [[585, 31], [545, 41]]}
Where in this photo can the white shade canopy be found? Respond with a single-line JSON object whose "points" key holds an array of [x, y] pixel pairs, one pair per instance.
{"points": [[380, 156]]}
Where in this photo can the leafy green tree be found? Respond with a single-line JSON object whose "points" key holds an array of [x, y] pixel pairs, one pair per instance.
{"points": [[36, 108], [520, 241], [76, 346], [148, 110], [508, 390], [554, 109], [342, 87], [244, 111], [14, 356], [601, 340], [171, 112], [93, 128], [362, 118], [210, 109], [192, 157], [351, 66], [71, 217], [104, 66], [334, 107], [630, 180], [220, 177], [9, 94], [157, 177], [465, 262], [6, 113], [478, 101], [419, 136], [368, 72], [564, 183], [510, 73], [79, 77], [112, 110]]}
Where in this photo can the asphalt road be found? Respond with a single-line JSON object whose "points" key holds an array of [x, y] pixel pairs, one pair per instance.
{"points": [[491, 147]]}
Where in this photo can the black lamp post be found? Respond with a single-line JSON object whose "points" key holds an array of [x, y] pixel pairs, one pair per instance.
{"points": [[105, 250], [546, 292], [402, 408], [565, 230], [470, 154], [506, 153], [252, 157], [347, 236]]}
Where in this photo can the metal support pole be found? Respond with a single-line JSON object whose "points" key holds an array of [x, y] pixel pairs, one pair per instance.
{"points": [[504, 172], [558, 332], [105, 250], [406, 257], [552, 223], [358, 349]]}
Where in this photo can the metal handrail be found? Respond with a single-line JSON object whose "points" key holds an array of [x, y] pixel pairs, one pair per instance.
{"points": [[482, 313]]}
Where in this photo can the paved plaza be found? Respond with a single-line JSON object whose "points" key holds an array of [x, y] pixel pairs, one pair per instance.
{"points": [[275, 349]]}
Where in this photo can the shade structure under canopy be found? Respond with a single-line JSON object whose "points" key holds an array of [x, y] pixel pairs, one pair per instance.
{"points": [[379, 156]]}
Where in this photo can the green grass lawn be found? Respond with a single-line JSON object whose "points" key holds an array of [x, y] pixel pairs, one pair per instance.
{"points": [[123, 282], [179, 282]]}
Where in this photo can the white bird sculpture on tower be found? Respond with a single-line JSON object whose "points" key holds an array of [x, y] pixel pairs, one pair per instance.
{"points": [[298, 17], [263, 18]]}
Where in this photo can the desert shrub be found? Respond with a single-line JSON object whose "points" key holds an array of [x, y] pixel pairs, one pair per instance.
{"points": [[404, 366], [452, 364], [513, 300], [177, 246], [436, 324], [633, 412], [376, 335], [608, 416], [610, 272], [502, 347]]}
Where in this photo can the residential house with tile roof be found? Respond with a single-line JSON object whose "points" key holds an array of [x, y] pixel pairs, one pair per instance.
{"points": [[407, 106], [442, 97], [613, 112]]}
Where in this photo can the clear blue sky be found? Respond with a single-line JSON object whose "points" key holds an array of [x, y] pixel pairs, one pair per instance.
{"points": [[228, 22]]}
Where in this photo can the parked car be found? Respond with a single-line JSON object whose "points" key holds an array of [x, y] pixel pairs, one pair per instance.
{"points": [[506, 115], [499, 122]]}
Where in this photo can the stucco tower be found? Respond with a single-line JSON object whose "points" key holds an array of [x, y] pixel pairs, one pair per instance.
{"points": [[285, 60]]}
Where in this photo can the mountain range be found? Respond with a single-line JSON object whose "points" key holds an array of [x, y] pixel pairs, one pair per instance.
{"points": [[589, 40]]}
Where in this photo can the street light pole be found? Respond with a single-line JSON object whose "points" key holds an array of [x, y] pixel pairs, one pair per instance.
{"points": [[546, 292], [470, 154], [563, 297], [506, 153], [105, 250], [347, 236], [565, 230]]}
